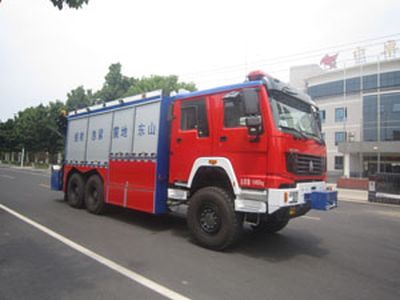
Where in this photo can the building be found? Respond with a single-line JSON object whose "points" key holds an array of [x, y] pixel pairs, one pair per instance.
{"points": [[360, 114]]}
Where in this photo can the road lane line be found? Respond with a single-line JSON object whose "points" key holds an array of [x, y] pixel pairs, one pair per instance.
{"points": [[7, 176], [311, 218], [44, 185], [158, 288]]}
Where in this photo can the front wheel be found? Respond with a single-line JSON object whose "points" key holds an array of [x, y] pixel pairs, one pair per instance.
{"points": [[212, 220], [94, 195]]}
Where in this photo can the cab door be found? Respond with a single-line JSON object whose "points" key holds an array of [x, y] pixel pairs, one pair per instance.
{"points": [[247, 154], [191, 136]]}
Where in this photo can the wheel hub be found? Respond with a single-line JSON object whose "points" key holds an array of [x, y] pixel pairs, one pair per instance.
{"points": [[209, 220]]}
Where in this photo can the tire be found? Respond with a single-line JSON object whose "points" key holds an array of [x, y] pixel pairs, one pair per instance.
{"points": [[271, 225], [94, 195], [75, 190], [212, 220]]}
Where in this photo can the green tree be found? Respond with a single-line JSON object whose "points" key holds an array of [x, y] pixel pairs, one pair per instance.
{"points": [[27, 127], [116, 85], [155, 82], [70, 3], [36, 128], [55, 139], [79, 98], [8, 138]]}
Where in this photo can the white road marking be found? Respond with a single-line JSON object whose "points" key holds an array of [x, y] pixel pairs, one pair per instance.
{"points": [[311, 218], [44, 185], [7, 176], [162, 290]]}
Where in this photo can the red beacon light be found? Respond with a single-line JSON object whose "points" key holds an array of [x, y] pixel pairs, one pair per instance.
{"points": [[256, 75]]}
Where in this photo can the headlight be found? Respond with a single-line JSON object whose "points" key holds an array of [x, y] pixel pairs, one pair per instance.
{"points": [[291, 197]]}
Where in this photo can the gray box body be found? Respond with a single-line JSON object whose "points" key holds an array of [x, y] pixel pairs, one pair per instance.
{"points": [[125, 127]]}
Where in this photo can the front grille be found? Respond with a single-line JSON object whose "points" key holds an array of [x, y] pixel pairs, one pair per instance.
{"points": [[302, 164]]}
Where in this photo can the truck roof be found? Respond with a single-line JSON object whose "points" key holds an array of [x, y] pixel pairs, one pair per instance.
{"points": [[115, 104], [218, 89], [149, 96]]}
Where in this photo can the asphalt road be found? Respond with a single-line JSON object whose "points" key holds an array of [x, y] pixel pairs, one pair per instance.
{"points": [[352, 252]]}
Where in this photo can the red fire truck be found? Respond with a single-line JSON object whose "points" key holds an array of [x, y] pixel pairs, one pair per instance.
{"points": [[250, 153]]}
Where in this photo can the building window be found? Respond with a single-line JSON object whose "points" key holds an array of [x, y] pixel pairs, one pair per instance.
{"points": [[340, 137], [353, 85], [370, 82], [396, 107], [338, 162], [322, 116], [340, 114], [390, 79], [370, 116], [389, 111], [390, 117], [194, 116]]}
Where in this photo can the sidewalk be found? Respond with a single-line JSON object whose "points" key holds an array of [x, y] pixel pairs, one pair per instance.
{"points": [[355, 196], [360, 197], [27, 168], [350, 195]]}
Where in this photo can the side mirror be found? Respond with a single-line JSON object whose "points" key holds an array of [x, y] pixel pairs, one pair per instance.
{"points": [[317, 117], [254, 126], [250, 100]]}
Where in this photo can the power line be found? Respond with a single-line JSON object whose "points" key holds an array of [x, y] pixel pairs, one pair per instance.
{"points": [[295, 56]]}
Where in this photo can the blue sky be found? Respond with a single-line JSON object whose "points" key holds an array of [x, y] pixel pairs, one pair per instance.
{"points": [[44, 52]]}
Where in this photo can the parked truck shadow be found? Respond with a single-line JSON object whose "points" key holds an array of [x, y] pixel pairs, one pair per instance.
{"points": [[285, 245], [280, 246]]}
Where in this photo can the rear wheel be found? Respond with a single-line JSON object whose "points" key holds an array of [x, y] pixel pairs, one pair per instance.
{"points": [[212, 220], [94, 195], [75, 190]]}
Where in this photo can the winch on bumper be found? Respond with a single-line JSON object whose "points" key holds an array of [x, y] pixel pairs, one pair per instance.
{"points": [[305, 196]]}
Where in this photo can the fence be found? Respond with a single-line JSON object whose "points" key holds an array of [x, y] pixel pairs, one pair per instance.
{"points": [[384, 187], [34, 159]]}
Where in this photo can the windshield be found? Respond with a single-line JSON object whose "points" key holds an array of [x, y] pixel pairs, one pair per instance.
{"points": [[291, 114]]}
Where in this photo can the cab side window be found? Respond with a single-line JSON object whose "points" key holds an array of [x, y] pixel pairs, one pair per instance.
{"points": [[194, 117], [234, 110]]}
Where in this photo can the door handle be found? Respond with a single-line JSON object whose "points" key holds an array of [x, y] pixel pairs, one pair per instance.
{"points": [[178, 140], [223, 138]]}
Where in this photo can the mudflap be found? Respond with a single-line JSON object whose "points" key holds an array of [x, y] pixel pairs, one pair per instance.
{"points": [[57, 180]]}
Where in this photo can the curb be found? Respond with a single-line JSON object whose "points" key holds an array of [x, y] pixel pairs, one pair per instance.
{"points": [[365, 202]]}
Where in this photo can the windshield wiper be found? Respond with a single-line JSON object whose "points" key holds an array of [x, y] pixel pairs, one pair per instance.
{"points": [[317, 138], [299, 132]]}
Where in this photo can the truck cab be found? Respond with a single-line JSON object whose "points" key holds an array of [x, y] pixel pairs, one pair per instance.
{"points": [[258, 142]]}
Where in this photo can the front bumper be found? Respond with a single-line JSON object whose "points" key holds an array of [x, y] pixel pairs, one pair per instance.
{"points": [[271, 200]]}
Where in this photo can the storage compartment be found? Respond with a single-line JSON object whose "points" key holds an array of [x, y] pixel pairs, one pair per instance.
{"points": [[322, 200]]}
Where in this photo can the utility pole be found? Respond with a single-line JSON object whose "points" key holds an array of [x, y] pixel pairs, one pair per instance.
{"points": [[378, 125], [22, 157]]}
